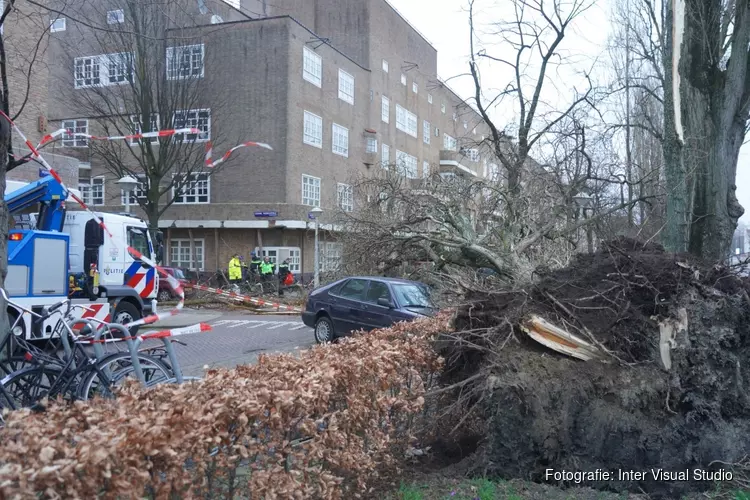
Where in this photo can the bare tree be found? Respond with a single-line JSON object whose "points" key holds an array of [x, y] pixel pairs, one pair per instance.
{"points": [[154, 70], [706, 113]]}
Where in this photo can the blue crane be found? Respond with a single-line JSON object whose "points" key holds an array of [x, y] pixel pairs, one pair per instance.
{"points": [[49, 194]]}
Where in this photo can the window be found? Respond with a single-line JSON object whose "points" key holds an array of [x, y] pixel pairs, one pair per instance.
{"points": [[426, 131], [385, 155], [466, 126], [216, 19], [377, 290], [313, 134], [385, 110], [115, 16], [120, 67], [279, 254], [372, 145], [449, 143], [109, 69], [138, 193], [185, 62], [429, 98], [414, 87], [194, 118], [75, 127], [345, 197], [385, 65], [474, 131], [442, 108], [92, 192], [340, 142], [135, 125], [180, 253], [331, 261], [403, 79], [493, 172], [455, 117], [312, 67], [437, 132], [310, 191], [406, 121], [346, 87], [425, 168], [471, 154], [406, 164], [57, 25], [196, 189]]}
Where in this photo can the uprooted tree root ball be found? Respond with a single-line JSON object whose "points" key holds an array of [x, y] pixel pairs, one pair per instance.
{"points": [[629, 411]]}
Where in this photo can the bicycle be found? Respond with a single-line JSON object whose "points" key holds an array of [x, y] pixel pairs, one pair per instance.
{"points": [[72, 375]]}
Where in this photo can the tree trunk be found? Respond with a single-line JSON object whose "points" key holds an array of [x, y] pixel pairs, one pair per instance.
{"points": [[4, 226]]}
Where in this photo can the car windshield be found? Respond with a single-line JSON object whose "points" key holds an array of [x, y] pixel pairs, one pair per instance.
{"points": [[138, 239], [412, 295]]}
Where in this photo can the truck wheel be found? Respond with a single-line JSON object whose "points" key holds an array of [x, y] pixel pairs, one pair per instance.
{"points": [[125, 313]]}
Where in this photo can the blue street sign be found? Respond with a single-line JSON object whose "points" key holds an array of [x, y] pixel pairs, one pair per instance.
{"points": [[266, 214], [310, 215], [43, 172]]}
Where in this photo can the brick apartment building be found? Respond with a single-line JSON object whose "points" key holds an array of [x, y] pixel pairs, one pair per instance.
{"points": [[336, 87]]}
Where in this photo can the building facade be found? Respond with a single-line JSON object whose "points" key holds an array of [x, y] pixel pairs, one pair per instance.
{"points": [[338, 88]]}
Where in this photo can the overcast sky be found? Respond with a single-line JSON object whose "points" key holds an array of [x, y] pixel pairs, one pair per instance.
{"points": [[445, 24]]}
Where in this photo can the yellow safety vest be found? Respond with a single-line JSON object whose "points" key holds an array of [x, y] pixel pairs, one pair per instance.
{"points": [[235, 269]]}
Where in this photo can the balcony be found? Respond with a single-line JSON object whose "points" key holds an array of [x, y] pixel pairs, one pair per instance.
{"points": [[451, 161]]}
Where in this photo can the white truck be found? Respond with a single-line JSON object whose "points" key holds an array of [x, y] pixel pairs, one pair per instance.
{"points": [[53, 243]]}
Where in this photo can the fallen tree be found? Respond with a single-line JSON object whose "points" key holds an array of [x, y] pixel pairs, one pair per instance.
{"points": [[667, 390]]}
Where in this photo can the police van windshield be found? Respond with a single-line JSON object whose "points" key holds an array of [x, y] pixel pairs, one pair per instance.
{"points": [[138, 239]]}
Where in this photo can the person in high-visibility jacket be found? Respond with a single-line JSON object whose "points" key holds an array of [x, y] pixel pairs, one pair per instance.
{"points": [[235, 269], [266, 269], [255, 263]]}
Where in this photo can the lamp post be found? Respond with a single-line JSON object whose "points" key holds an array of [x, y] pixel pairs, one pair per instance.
{"points": [[316, 213], [128, 185]]}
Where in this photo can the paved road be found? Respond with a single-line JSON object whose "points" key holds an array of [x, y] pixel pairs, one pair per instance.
{"points": [[239, 338]]}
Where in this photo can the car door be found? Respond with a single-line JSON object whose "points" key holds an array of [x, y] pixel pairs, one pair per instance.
{"points": [[376, 315], [346, 306]]}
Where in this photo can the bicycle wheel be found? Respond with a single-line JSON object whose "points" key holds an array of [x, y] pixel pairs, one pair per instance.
{"points": [[30, 385], [113, 370]]}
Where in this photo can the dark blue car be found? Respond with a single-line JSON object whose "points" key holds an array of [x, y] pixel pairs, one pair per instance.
{"points": [[365, 303]]}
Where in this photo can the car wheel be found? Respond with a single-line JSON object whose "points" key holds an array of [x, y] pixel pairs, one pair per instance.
{"points": [[324, 330], [125, 313], [164, 296]]}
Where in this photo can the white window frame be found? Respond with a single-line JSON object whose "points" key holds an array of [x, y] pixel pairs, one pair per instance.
{"points": [[471, 154], [372, 145], [278, 254], [426, 131], [449, 142], [312, 134], [385, 65], [313, 186], [333, 253], [493, 172], [182, 119], [425, 169], [340, 140], [192, 191], [385, 109], [78, 127], [184, 243], [312, 67], [429, 98], [385, 155], [176, 56], [115, 16], [406, 164], [406, 121], [135, 126], [94, 71], [346, 87], [415, 87], [442, 108], [135, 194], [98, 181], [345, 197], [403, 79], [55, 28]]}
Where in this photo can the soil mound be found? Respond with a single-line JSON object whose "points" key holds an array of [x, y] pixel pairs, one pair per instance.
{"points": [[545, 410]]}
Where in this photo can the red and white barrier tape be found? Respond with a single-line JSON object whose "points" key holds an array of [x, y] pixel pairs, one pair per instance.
{"points": [[210, 150], [245, 298], [174, 284], [145, 135], [173, 332]]}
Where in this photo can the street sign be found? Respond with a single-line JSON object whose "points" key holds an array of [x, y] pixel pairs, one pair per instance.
{"points": [[310, 215], [266, 214]]}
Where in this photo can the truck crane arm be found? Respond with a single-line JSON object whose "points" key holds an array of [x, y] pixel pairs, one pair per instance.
{"points": [[49, 194]]}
